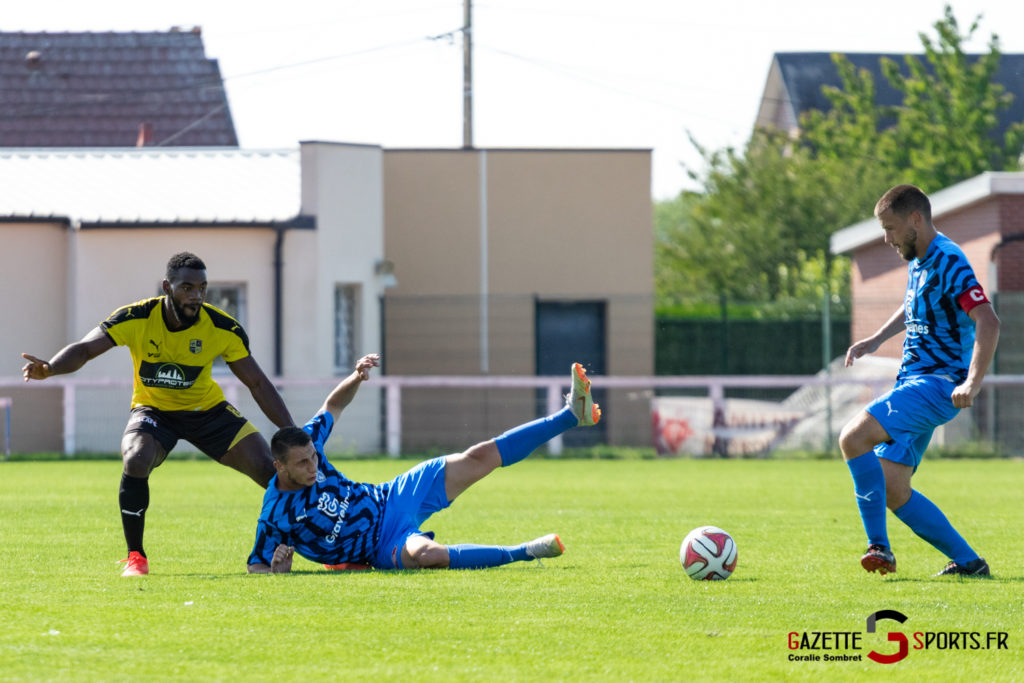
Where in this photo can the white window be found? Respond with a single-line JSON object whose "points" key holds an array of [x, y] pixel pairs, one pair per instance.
{"points": [[346, 328], [230, 298]]}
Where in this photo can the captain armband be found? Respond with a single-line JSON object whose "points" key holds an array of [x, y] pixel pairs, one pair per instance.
{"points": [[975, 296]]}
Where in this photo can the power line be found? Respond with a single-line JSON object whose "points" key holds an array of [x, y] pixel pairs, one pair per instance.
{"points": [[573, 73]]}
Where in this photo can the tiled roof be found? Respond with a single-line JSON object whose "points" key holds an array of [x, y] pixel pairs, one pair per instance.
{"points": [[151, 185], [804, 74], [97, 89]]}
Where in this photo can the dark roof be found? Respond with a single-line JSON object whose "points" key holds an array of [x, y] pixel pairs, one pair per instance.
{"points": [[804, 74], [99, 89]]}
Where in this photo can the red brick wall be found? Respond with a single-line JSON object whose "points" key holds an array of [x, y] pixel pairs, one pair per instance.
{"points": [[1010, 257], [879, 281]]}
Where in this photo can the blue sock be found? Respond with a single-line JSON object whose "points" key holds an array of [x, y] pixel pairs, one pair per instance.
{"points": [[469, 556], [519, 442], [869, 485], [927, 521]]}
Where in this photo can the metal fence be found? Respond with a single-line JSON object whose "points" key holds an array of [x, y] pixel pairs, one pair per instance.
{"points": [[702, 416]]}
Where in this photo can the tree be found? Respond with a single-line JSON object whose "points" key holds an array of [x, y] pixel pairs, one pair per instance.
{"points": [[950, 110], [760, 227], [761, 219]]}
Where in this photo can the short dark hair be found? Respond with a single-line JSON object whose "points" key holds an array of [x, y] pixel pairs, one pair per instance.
{"points": [[285, 439], [905, 199], [183, 259]]}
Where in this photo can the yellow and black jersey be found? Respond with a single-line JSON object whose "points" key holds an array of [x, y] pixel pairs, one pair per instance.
{"points": [[173, 369]]}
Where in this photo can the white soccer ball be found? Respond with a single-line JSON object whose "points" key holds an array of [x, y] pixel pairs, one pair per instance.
{"points": [[708, 554]]}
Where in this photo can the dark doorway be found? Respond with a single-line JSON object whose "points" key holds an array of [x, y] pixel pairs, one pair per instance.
{"points": [[568, 332]]}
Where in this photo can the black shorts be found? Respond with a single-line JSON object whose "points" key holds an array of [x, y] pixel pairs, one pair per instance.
{"points": [[212, 431]]}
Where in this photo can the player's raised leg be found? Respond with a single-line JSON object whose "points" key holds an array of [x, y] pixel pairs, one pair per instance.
{"points": [[465, 469]]}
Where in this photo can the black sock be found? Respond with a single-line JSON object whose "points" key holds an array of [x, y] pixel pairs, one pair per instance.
{"points": [[134, 499]]}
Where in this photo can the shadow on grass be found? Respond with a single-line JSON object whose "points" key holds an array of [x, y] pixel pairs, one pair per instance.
{"points": [[245, 574]]}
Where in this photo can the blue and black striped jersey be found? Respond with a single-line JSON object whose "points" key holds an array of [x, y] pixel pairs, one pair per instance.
{"points": [[940, 334], [333, 521]]}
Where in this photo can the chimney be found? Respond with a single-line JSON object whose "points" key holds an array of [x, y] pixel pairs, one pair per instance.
{"points": [[145, 135], [33, 60]]}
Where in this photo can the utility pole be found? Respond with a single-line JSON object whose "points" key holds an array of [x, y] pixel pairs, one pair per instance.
{"points": [[467, 74]]}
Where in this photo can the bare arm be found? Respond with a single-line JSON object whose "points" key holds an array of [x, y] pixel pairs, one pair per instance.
{"points": [[70, 358], [280, 563], [893, 326], [986, 337], [261, 388], [343, 394]]}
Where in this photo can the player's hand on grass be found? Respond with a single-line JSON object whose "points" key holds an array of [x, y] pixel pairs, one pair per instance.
{"points": [[281, 562], [363, 367], [35, 368]]}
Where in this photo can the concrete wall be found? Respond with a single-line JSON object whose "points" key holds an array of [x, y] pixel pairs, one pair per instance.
{"points": [[69, 280], [558, 225], [35, 277]]}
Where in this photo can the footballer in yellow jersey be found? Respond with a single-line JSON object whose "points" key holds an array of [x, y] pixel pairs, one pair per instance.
{"points": [[173, 368], [174, 340]]}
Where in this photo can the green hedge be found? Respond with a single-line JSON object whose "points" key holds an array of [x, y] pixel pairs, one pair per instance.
{"points": [[689, 346]]}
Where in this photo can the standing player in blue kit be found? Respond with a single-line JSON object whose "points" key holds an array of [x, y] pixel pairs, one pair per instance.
{"points": [[951, 336]]}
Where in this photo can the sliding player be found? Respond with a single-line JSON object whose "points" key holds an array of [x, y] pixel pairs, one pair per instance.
{"points": [[313, 509]]}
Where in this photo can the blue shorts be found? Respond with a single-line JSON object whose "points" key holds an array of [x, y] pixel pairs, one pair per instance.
{"points": [[910, 412], [412, 498]]}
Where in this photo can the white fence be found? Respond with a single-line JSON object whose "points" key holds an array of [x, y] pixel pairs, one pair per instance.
{"points": [[94, 411]]}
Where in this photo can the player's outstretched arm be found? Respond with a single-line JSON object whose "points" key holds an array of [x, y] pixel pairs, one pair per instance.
{"points": [[70, 358], [893, 326], [343, 394], [263, 390]]}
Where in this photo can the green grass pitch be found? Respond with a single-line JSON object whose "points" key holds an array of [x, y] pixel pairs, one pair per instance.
{"points": [[617, 606]]}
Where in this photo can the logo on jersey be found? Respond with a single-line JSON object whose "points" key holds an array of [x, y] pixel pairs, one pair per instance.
{"points": [[917, 328], [155, 353], [195, 345], [332, 507], [168, 375]]}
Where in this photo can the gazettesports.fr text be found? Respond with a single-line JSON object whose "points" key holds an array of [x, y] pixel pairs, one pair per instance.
{"points": [[928, 640]]}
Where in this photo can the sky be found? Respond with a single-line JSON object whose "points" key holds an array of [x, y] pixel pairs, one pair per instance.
{"points": [[648, 74]]}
